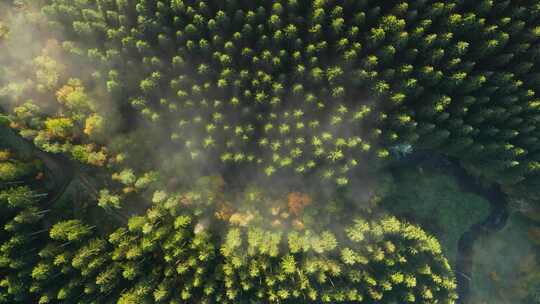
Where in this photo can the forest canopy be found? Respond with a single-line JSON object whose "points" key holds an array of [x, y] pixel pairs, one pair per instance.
{"points": [[190, 151]]}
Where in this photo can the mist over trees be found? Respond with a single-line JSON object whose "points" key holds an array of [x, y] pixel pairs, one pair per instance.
{"points": [[238, 151]]}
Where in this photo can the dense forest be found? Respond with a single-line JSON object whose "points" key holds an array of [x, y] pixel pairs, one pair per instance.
{"points": [[258, 151]]}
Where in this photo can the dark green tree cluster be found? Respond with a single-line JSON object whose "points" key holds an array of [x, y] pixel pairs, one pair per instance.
{"points": [[175, 253], [35, 257], [67, 263], [48, 258], [13, 170], [315, 85], [165, 257], [21, 220]]}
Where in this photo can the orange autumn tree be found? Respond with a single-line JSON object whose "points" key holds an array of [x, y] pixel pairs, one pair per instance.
{"points": [[297, 202]]}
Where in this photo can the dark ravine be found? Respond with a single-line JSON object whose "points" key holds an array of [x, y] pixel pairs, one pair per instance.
{"points": [[495, 221]]}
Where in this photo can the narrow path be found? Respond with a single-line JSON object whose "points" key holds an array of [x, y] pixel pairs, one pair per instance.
{"points": [[62, 171], [56, 166]]}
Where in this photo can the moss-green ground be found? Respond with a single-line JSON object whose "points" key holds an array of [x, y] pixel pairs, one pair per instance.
{"points": [[434, 200], [506, 266]]}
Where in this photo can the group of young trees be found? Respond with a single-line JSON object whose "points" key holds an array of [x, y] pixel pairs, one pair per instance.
{"points": [[324, 85], [378, 261], [66, 120], [176, 254]]}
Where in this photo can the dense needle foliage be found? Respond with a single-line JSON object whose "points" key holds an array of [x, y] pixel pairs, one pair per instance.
{"points": [[171, 254], [324, 85], [235, 147]]}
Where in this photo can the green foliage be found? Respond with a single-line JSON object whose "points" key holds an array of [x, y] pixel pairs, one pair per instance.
{"points": [[18, 197], [161, 250], [71, 231], [20, 236], [14, 170], [514, 273], [379, 261], [173, 253], [436, 202], [4, 120], [305, 93], [324, 89]]}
